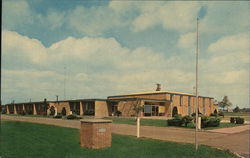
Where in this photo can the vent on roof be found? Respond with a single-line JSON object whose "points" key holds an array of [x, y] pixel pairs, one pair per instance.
{"points": [[158, 88]]}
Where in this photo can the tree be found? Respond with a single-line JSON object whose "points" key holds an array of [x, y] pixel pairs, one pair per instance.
{"points": [[236, 109], [137, 107], [225, 103]]}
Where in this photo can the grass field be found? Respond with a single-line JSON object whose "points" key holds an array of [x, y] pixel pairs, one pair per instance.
{"points": [[245, 115], [28, 140], [162, 123]]}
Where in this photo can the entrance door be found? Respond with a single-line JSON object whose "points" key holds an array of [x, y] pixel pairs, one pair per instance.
{"points": [[151, 110], [155, 110]]}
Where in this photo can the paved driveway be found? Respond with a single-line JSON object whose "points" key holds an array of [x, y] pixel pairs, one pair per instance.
{"points": [[235, 139]]}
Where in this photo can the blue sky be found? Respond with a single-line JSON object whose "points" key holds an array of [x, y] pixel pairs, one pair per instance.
{"points": [[115, 47]]}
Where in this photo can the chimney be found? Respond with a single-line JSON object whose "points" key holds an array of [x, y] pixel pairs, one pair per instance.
{"points": [[158, 88]]}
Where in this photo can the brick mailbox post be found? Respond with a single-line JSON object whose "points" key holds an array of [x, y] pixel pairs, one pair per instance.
{"points": [[95, 133]]}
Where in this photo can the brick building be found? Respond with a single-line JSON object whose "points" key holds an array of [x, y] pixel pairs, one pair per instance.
{"points": [[163, 103], [154, 103]]}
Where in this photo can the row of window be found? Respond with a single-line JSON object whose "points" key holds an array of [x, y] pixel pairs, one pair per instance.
{"points": [[189, 100]]}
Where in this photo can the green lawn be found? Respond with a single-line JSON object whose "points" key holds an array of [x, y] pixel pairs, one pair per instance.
{"points": [[245, 115], [162, 123], [28, 140]]}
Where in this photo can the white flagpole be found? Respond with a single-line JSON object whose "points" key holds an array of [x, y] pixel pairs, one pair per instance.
{"points": [[196, 90]]}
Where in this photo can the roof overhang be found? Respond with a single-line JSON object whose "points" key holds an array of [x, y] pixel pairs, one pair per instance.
{"points": [[144, 99]]}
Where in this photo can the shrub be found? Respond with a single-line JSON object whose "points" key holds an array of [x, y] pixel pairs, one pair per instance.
{"points": [[232, 119], [177, 116], [239, 120], [57, 116], [23, 112], [236, 109], [204, 120], [209, 121], [213, 122], [30, 113], [89, 112], [52, 111], [199, 114], [174, 122], [63, 111], [72, 117], [118, 113], [213, 114], [187, 119]]}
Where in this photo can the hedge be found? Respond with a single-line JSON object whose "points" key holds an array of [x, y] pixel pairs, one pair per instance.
{"points": [[239, 120]]}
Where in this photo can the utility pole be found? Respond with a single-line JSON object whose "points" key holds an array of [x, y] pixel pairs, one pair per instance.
{"points": [[196, 87]]}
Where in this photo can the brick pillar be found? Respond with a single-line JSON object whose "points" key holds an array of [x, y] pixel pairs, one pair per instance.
{"points": [[34, 109], [142, 104], [15, 109], [81, 108], [95, 133], [7, 109], [24, 108]]}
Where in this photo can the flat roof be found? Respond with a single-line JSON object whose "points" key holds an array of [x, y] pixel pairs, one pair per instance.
{"points": [[75, 100], [146, 99], [157, 92]]}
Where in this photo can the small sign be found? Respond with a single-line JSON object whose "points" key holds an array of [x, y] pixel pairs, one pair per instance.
{"points": [[102, 130]]}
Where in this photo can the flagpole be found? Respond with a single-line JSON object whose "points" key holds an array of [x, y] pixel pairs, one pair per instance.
{"points": [[196, 87]]}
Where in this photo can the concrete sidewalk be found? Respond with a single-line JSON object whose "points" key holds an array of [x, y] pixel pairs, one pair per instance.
{"points": [[231, 130], [225, 139]]}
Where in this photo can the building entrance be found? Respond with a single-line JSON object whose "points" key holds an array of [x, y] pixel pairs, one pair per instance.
{"points": [[153, 110]]}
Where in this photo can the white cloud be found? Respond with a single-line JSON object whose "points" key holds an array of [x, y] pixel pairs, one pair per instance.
{"points": [[228, 53], [240, 76], [95, 63], [18, 48], [94, 20], [187, 41], [231, 44], [171, 15], [98, 67]]}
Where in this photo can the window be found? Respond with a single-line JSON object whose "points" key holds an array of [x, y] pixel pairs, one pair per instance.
{"points": [[204, 106], [171, 97], [189, 108], [181, 99]]}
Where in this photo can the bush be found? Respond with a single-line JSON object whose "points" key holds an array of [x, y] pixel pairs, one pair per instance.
{"points": [[63, 111], [57, 116], [209, 121], [23, 112], [187, 119], [213, 122], [199, 114], [213, 114], [236, 109], [52, 111], [177, 116], [30, 113], [118, 113], [232, 119], [89, 112], [204, 120], [174, 122], [72, 117], [239, 120]]}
